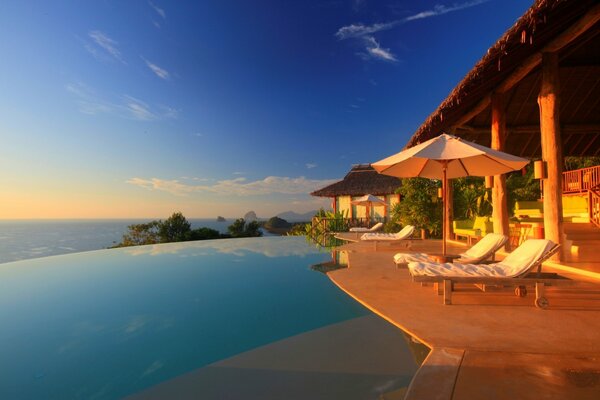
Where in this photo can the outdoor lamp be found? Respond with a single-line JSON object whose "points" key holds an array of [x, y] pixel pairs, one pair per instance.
{"points": [[539, 169]]}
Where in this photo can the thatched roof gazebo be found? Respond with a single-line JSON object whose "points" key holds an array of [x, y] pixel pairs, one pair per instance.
{"points": [[535, 93], [362, 179]]}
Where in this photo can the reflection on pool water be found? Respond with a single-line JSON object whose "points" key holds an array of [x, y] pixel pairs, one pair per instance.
{"points": [[112, 323]]}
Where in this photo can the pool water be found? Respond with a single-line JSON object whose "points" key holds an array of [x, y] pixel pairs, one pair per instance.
{"points": [[112, 323]]}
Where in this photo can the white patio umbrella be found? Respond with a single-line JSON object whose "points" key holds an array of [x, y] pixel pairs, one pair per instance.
{"points": [[446, 157], [368, 200]]}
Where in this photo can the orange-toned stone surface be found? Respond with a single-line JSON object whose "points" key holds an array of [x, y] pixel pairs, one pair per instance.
{"points": [[506, 343]]}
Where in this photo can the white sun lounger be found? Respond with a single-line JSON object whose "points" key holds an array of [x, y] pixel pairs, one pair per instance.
{"points": [[481, 251], [402, 235], [514, 270], [374, 228]]}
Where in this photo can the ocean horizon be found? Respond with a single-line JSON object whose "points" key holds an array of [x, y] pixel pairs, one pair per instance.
{"points": [[34, 238]]}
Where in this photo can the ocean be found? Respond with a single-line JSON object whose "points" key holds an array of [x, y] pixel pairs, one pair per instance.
{"points": [[23, 239]]}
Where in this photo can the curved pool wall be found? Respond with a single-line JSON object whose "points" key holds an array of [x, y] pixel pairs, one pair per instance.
{"points": [[110, 323]]}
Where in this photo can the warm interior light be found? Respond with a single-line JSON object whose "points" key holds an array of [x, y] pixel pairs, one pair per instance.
{"points": [[440, 194]]}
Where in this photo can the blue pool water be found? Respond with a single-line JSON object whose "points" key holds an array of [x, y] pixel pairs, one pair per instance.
{"points": [[109, 323]]}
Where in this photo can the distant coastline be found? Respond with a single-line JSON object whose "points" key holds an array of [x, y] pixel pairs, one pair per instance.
{"points": [[33, 238]]}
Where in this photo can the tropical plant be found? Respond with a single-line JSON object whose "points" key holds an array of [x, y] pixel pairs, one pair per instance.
{"points": [[141, 234], [470, 198], [241, 228], [521, 187], [419, 206], [571, 163], [176, 228]]}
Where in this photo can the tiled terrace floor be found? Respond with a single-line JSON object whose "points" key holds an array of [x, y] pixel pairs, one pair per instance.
{"points": [[490, 345]]}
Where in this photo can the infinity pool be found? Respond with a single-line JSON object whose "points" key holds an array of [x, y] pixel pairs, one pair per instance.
{"points": [[193, 320]]}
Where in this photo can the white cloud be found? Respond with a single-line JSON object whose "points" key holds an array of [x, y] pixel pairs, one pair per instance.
{"points": [[441, 9], [137, 109], [360, 30], [365, 32], [311, 165], [125, 106], [160, 72], [235, 187], [158, 10], [106, 43], [376, 51]]}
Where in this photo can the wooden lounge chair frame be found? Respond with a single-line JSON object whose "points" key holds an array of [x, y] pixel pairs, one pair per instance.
{"points": [[538, 279]]}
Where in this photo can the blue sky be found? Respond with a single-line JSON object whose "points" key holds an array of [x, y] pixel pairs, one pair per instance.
{"points": [[141, 108]]}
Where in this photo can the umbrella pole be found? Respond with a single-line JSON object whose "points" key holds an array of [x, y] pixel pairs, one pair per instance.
{"points": [[444, 200]]}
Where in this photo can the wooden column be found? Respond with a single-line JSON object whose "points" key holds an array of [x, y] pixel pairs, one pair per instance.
{"points": [[449, 210], [334, 205], [499, 200], [548, 101]]}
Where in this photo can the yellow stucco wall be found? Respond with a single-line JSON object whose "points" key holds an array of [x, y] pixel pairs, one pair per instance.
{"points": [[344, 205]]}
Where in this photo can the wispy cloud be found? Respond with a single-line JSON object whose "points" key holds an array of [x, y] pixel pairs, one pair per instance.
{"points": [[138, 109], [311, 165], [158, 10], [124, 106], [441, 9], [160, 72], [364, 33], [360, 30], [235, 187], [104, 42], [376, 51]]}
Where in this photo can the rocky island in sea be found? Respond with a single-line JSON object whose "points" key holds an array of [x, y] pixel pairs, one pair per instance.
{"points": [[221, 219]]}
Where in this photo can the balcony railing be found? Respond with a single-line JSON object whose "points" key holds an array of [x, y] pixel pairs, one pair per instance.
{"points": [[581, 180]]}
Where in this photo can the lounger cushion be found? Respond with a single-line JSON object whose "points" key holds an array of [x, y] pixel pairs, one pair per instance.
{"points": [[515, 264], [405, 258], [374, 228], [482, 249], [403, 234]]}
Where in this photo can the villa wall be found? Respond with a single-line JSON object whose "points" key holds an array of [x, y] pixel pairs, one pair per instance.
{"points": [[344, 205]]}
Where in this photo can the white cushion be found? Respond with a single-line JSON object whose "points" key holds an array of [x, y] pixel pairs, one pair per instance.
{"points": [[403, 234], [515, 264], [405, 258], [482, 249]]}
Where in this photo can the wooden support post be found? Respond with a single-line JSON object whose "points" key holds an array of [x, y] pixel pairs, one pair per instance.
{"points": [[449, 210], [447, 292], [499, 198], [549, 101]]}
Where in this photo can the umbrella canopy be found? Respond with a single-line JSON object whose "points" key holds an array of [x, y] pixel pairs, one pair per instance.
{"points": [[445, 157], [462, 158], [368, 200]]}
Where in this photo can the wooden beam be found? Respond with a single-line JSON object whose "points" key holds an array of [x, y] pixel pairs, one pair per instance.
{"points": [[562, 40], [549, 101], [572, 129], [499, 198], [469, 115]]}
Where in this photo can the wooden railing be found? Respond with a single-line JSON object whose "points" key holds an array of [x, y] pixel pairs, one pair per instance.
{"points": [[581, 180], [594, 205]]}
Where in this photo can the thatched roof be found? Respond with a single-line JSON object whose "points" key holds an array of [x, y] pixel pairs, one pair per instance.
{"points": [[362, 179], [466, 111]]}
